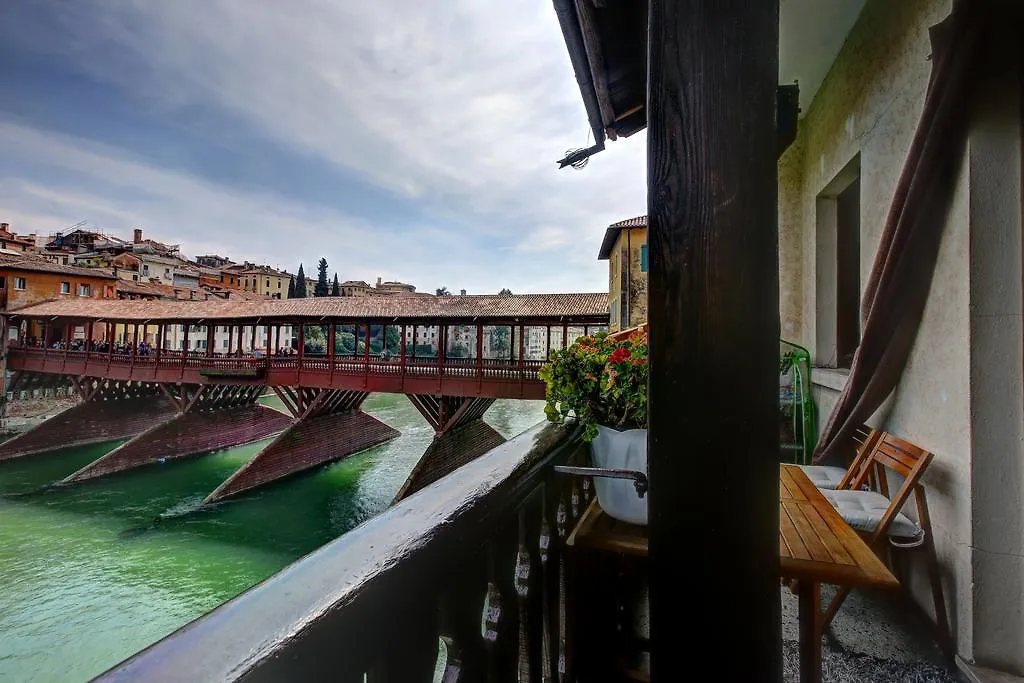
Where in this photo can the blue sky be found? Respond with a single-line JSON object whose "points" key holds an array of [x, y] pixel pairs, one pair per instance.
{"points": [[403, 139]]}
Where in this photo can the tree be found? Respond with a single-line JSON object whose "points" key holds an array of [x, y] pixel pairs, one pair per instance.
{"points": [[345, 343], [291, 287], [322, 286], [336, 287], [393, 338], [300, 284], [505, 292], [442, 291], [500, 345]]}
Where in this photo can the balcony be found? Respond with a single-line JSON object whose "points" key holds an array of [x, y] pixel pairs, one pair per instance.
{"points": [[468, 580]]}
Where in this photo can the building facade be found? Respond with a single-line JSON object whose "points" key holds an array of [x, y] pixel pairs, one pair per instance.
{"points": [[625, 248], [960, 395]]}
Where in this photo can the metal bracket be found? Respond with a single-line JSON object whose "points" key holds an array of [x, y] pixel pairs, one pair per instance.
{"points": [[639, 478]]}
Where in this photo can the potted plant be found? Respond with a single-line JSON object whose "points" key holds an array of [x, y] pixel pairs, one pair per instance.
{"points": [[602, 381]]}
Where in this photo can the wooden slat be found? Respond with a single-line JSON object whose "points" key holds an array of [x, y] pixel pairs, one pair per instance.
{"points": [[828, 537], [808, 534], [787, 530]]}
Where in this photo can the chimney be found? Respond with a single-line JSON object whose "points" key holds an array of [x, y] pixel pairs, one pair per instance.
{"points": [[462, 292], [4, 227], [138, 235]]}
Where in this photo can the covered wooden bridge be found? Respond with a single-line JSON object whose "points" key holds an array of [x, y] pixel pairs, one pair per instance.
{"points": [[183, 378]]}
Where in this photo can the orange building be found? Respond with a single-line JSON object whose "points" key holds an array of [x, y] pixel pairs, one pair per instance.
{"points": [[26, 280]]}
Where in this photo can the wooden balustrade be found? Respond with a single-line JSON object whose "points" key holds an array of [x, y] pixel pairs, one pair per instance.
{"points": [[474, 561]]}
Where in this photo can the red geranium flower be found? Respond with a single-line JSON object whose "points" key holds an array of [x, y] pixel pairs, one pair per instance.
{"points": [[619, 355]]}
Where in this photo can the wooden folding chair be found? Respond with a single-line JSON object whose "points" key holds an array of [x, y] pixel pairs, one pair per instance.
{"points": [[855, 452], [877, 517]]}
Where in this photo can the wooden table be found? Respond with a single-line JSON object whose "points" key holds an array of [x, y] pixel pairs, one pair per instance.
{"points": [[816, 546]]}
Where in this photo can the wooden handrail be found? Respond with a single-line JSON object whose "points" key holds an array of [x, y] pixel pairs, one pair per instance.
{"points": [[376, 600]]}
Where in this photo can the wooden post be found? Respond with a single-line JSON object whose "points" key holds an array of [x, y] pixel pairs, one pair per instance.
{"points": [[331, 334], [366, 347], [211, 342], [241, 336], [480, 349], [415, 330], [184, 353], [301, 341], [159, 341], [88, 342], [231, 338], [403, 348], [547, 347], [714, 322]]}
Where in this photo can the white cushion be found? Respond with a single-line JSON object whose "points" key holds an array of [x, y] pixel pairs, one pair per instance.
{"points": [[863, 510], [824, 476]]}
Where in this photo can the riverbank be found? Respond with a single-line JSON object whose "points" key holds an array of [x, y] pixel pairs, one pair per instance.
{"points": [[23, 414]]}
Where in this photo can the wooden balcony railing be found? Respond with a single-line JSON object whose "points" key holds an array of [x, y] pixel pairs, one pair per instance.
{"points": [[474, 561]]}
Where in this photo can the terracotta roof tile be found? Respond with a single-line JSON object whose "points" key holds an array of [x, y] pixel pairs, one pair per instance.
{"points": [[612, 233], [36, 264], [517, 306]]}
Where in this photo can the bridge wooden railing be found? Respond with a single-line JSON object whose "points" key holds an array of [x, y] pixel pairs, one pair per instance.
{"points": [[473, 561], [472, 368]]}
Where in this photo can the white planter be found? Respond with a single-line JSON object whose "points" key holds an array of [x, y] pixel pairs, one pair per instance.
{"points": [[623, 451]]}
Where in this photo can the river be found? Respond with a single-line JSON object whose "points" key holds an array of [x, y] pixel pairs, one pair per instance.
{"points": [[87, 578]]}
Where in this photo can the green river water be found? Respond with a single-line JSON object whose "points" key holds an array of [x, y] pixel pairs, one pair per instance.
{"points": [[87, 577]]}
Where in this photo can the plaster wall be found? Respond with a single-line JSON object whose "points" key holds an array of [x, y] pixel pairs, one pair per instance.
{"points": [[869, 105]]}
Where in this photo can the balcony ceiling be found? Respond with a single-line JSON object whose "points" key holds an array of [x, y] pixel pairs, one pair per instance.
{"points": [[811, 33]]}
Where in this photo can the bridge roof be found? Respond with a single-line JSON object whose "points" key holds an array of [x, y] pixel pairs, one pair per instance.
{"points": [[588, 306]]}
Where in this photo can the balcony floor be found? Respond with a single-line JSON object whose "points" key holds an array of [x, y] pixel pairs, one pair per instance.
{"points": [[874, 637]]}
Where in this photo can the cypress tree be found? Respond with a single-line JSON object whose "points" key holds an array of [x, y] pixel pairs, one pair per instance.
{"points": [[336, 287], [321, 288], [300, 284], [291, 287]]}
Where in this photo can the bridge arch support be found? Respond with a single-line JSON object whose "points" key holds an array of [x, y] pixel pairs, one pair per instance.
{"points": [[460, 436]]}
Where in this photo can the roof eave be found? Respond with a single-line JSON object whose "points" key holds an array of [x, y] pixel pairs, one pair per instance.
{"points": [[572, 33]]}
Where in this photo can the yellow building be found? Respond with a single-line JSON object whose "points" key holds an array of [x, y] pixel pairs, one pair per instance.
{"points": [[625, 249], [263, 280]]}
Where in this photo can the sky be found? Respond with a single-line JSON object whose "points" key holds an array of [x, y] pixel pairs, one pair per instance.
{"points": [[403, 139]]}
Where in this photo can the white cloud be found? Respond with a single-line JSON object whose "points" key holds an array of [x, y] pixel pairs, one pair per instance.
{"points": [[462, 106]]}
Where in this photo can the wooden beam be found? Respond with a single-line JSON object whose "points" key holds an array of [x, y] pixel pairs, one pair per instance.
{"points": [[714, 322], [595, 56]]}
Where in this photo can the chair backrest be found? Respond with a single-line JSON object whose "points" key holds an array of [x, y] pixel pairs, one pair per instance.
{"points": [[862, 442], [896, 454]]}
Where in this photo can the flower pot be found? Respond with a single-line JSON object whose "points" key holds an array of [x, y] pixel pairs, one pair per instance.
{"points": [[626, 450]]}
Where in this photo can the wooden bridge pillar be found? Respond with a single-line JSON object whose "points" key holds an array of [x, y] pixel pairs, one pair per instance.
{"points": [[328, 425], [461, 436], [207, 417], [109, 410]]}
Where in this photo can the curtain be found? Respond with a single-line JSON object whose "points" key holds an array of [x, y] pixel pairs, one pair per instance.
{"points": [[897, 287]]}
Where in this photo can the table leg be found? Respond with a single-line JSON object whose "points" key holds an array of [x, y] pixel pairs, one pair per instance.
{"points": [[810, 632]]}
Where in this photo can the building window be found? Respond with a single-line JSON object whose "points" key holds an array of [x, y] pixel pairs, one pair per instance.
{"points": [[837, 286], [145, 269], [3, 282], [268, 284], [19, 283], [84, 290], [64, 260], [224, 344], [643, 258], [613, 311], [65, 287], [279, 284]]}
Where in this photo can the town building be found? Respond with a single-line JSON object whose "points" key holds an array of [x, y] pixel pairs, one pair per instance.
{"points": [[354, 288], [625, 248], [28, 279], [259, 279], [394, 287], [11, 243], [213, 261]]}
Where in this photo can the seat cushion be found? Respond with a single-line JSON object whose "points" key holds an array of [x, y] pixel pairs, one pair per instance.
{"points": [[824, 476], [863, 510]]}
